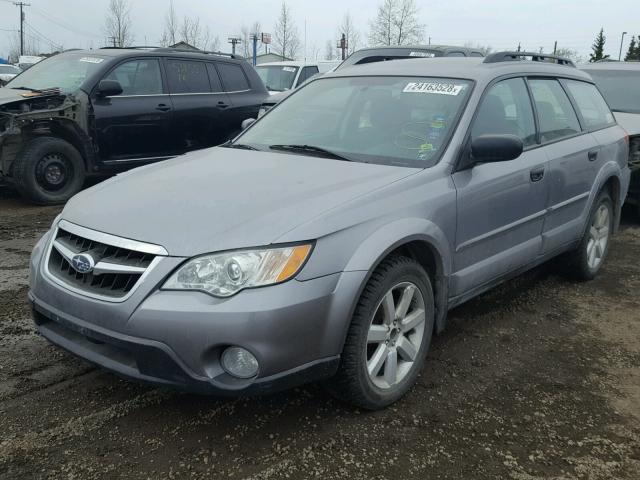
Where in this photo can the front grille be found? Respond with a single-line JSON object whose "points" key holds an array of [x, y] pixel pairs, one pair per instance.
{"points": [[127, 265]]}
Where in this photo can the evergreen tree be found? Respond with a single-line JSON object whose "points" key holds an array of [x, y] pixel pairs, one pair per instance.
{"points": [[598, 48], [634, 49]]}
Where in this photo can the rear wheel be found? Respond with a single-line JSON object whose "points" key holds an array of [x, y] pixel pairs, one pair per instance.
{"points": [[587, 260], [389, 336], [49, 171]]}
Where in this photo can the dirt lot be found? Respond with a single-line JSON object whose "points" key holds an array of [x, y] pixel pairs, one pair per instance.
{"points": [[537, 379]]}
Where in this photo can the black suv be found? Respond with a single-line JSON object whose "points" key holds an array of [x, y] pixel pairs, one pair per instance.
{"points": [[101, 111]]}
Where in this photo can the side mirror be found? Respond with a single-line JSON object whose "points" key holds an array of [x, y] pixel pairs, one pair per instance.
{"points": [[247, 123], [496, 148], [109, 88]]}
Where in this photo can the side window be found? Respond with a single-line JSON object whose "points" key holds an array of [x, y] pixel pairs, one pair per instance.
{"points": [[506, 109], [138, 77], [555, 112], [592, 107], [233, 77], [455, 54], [214, 78], [307, 72], [186, 76]]}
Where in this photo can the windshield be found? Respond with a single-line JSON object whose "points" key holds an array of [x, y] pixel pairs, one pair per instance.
{"points": [[620, 88], [66, 72], [9, 69], [277, 78], [388, 120]]}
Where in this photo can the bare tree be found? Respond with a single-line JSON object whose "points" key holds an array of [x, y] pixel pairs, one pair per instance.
{"points": [[246, 34], [570, 54], [408, 28], [192, 32], [170, 33], [118, 23], [329, 50], [485, 49], [287, 42], [397, 23], [31, 46], [351, 34]]}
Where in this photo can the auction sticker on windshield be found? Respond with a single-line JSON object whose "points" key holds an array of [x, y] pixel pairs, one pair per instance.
{"points": [[429, 87], [92, 59]]}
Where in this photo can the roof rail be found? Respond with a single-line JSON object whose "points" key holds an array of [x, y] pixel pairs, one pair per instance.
{"points": [[133, 47], [498, 57], [171, 50]]}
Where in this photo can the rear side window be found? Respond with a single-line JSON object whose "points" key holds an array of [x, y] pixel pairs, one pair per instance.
{"points": [[233, 77], [185, 76], [214, 78], [506, 109], [138, 77], [555, 113], [306, 73], [592, 107]]}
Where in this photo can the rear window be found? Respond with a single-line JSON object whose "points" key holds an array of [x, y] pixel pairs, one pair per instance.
{"points": [[555, 113], [187, 77], [233, 77], [592, 107], [620, 88]]}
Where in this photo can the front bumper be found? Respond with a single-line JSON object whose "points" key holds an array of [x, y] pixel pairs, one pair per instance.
{"points": [[296, 330]]}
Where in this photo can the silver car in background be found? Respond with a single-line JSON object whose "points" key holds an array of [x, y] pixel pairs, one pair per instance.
{"points": [[329, 240]]}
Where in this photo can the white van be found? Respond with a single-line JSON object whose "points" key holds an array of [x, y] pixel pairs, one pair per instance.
{"points": [[281, 76]]}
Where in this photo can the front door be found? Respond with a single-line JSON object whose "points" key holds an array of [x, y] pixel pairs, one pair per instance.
{"points": [[501, 206], [135, 125]]}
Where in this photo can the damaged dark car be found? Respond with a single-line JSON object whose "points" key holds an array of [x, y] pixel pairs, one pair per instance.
{"points": [[83, 113]]}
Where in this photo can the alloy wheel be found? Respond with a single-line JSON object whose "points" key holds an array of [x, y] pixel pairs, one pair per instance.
{"points": [[395, 335], [598, 237]]}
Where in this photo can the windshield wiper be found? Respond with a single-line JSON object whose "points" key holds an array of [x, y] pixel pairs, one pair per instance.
{"points": [[242, 146], [310, 149], [26, 88]]}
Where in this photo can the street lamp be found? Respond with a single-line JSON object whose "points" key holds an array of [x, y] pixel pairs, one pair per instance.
{"points": [[621, 40]]}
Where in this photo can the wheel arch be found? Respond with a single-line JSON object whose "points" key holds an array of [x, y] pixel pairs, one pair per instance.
{"points": [[418, 239]]}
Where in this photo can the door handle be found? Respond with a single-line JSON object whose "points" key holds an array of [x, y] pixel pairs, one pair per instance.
{"points": [[593, 155], [163, 107], [222, 105], [537, 174]]}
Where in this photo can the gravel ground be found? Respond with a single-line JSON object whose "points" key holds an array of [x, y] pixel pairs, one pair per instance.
{"points": [[539, 378]]}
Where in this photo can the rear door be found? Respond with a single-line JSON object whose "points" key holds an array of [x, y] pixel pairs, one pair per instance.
{"points": [[574, 159], [199, 104], [244, 101], [501, 206], [135, 125]]}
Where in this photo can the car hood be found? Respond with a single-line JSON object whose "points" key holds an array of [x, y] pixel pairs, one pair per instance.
{"points": [[220, 198], [629, 121], [9, 95]]}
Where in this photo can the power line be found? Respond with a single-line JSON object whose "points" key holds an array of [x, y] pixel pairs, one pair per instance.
{"points": [[63, 24], [52, 44]]}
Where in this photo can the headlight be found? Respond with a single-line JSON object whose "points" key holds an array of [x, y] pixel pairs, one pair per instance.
{"points": [[225, 274]]}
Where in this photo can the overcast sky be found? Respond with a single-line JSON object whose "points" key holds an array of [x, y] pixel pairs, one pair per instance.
{"points": [[500, 24]]}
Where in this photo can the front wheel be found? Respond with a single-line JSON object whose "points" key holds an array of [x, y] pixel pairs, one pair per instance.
{"points": [[389, 336], [587, 260], [49, 171]]}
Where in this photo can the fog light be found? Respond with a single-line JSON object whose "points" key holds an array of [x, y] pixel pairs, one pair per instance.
{"points": [[239, 362]]}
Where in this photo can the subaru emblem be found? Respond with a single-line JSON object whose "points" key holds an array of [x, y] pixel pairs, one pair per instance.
{"points": [[83, 263]]}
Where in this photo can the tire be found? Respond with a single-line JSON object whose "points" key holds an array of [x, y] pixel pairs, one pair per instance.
{"points": [[49, 171], [585, 262], [353, 382]]}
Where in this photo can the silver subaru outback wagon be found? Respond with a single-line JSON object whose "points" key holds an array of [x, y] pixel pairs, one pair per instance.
{"points": [[329, 240]]}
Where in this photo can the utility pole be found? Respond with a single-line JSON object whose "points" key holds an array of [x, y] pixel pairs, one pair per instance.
{"points": [[234, 41], [21, 5], [555, 47], [343, 45], [113, 40]]}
